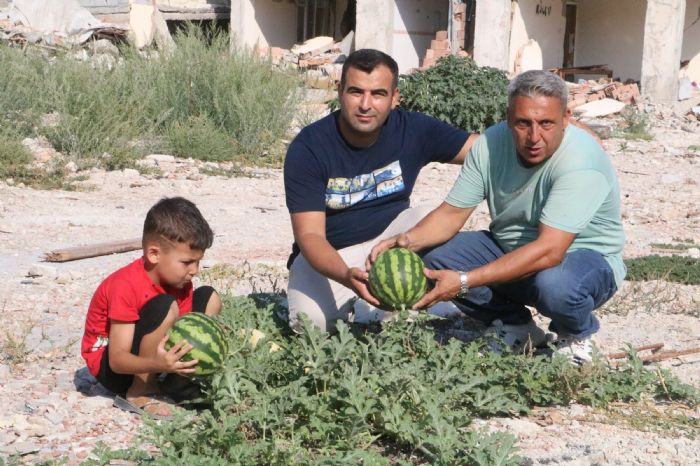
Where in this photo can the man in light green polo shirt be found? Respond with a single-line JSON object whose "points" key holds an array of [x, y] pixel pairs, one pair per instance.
{"points": [[555, 237]]}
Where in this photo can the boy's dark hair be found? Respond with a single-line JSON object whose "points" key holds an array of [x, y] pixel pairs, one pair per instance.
{"points": [[178, 220], [367, 60]]}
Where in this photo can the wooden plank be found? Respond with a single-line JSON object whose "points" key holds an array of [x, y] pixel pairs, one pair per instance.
{"points": [[100, 249]]}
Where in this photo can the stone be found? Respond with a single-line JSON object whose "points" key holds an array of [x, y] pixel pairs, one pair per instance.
{"points": [[42, 270], [694, 253], [20, 448], [161, 158], [71, 167], [131, 173], [64, 277], [104, 46], [671, 179]]}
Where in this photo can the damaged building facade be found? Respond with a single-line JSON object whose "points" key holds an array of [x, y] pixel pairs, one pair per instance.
{"points": [[640, 40]]}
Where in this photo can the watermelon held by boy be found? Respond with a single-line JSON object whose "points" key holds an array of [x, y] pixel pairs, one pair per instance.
{"points": [[209, 344], [397, 280]]}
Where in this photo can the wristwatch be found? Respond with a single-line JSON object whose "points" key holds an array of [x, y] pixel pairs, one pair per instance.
{"points": [[463, 285]]}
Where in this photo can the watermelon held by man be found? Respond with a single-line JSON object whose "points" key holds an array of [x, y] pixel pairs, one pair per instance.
{"points": [[209, 344], [397, 280]]}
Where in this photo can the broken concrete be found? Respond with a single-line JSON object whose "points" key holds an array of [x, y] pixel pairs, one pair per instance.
{"points": [[599, 108]]}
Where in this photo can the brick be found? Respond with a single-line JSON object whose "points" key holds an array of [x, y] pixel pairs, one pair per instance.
{"points": [[441, 53], [627, 94], [428, 62], [463, 54], [441, 35], [439, 44], [430, 53]]}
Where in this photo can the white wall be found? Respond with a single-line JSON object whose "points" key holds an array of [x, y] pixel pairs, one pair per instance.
{"points": [[415, 25], [691, 34], [611, 33], [543, 21], [264, 22]]}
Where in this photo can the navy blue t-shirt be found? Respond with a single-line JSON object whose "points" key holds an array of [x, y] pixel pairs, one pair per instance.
{"points": [[363, 190]]}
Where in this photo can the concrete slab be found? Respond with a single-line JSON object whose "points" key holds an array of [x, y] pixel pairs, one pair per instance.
{"points": [[599, 108]]}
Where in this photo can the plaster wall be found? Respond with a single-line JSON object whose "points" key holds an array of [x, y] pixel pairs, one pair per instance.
{"points": [[543, 21], [415, 25], [374, 25], [691, 30], [264, 22], [492, 33], [611, 33]]}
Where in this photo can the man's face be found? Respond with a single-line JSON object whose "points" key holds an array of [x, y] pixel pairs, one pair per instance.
{"points": [[538, 125], [366, 100]]}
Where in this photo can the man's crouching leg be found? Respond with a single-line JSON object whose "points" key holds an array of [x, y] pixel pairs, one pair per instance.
{"points": [[324, 301]]}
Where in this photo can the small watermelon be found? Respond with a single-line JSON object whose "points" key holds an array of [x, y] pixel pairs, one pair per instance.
{"points": [[397, 280], [209, 344]]}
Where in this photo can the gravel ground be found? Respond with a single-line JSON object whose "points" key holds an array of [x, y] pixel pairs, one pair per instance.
{"points": [[54, 410]]}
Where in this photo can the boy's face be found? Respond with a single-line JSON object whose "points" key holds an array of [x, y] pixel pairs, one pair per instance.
{"points": [[174, 264]]}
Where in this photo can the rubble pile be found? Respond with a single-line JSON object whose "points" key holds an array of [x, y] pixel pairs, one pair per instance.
{"points": [[321, 59], [592, 90]]}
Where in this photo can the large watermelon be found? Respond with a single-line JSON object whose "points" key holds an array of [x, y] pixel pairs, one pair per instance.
{"points": [[397, 280], [209, 345]]}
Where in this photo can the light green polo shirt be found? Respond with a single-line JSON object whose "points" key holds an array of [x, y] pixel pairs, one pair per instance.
{"points": [[576, 190]]}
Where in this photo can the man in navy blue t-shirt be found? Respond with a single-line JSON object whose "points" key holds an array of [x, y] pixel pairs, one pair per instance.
{"points": [[348, 179]]}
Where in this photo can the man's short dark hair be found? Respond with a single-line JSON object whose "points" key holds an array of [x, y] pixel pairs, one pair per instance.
{"points": [[367, 60], [177, 220]]}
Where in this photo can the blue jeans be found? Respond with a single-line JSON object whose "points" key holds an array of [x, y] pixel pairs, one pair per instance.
{"points": [[567, 293]]}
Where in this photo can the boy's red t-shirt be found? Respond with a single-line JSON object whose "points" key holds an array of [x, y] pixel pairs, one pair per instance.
{"points": [[121, 296]]}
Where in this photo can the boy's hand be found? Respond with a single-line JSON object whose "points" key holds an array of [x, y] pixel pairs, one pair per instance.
{"points": [[171, 359]]}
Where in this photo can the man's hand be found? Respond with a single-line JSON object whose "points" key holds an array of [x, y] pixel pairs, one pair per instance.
{"points": [[170, 360], [446, 287], [356, 280], [398, 241]]}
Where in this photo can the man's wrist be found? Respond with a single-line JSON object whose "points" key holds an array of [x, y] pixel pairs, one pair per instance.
{"points": [[463, 285]]}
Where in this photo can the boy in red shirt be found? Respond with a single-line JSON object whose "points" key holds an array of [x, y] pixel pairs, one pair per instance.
{"points": [[132, 309]]}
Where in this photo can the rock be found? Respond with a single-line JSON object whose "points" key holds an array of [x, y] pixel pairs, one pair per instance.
{"points": [[20, 448], [160, 158], [64, 277], [104, 46], [51, 120], [5, 371], [42, 270], [671, 179], [71, 167], [694, 253], [131, 173]]}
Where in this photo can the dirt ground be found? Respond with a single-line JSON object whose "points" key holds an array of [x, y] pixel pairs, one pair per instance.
{"points": [[53, 410]]}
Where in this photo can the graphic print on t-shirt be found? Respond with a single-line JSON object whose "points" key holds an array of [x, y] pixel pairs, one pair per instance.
{"points": [[342, 193]]}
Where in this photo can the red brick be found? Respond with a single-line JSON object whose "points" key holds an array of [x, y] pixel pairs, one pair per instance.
{"points": [[439, 44], [428, 62], [430, 53], [441, 53], [441, 35]]}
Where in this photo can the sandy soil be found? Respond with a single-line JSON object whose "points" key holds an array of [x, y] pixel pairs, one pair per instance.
{"points": [[53, 410]]}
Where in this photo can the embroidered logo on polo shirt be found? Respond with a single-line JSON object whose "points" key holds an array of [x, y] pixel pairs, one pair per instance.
{"points": [[342, 193]]}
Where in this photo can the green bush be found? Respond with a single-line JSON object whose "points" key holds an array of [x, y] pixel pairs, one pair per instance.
{"points": [[396, 397], [458, 92]]}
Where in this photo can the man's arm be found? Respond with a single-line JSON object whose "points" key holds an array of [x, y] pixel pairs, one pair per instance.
{"points": [[546, 251], [309, 230], [462, 154]]}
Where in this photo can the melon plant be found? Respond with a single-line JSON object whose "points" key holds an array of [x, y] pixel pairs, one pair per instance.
{"points": [[209, 344], [397, 280]]}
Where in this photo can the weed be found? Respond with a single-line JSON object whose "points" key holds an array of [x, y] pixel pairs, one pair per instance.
{"points": [[635, 124], [678, 269], [652, 296], [395, 397], [694, 148], [14, 349], [261, 278], [668, 419], [225, 172], [201, 100]]}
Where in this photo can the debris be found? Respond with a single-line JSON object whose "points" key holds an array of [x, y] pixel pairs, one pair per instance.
{"points": [[148, 25], [654, 347], [599, 108], [314, 46], [62, 23], [42, 270], [101, 249], [591, 91]]}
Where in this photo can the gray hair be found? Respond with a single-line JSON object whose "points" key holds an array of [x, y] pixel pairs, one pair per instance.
{"points": [[538, 83]]}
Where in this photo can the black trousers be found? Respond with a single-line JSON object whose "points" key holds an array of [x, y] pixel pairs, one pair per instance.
{"points": [[152, 316]]}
